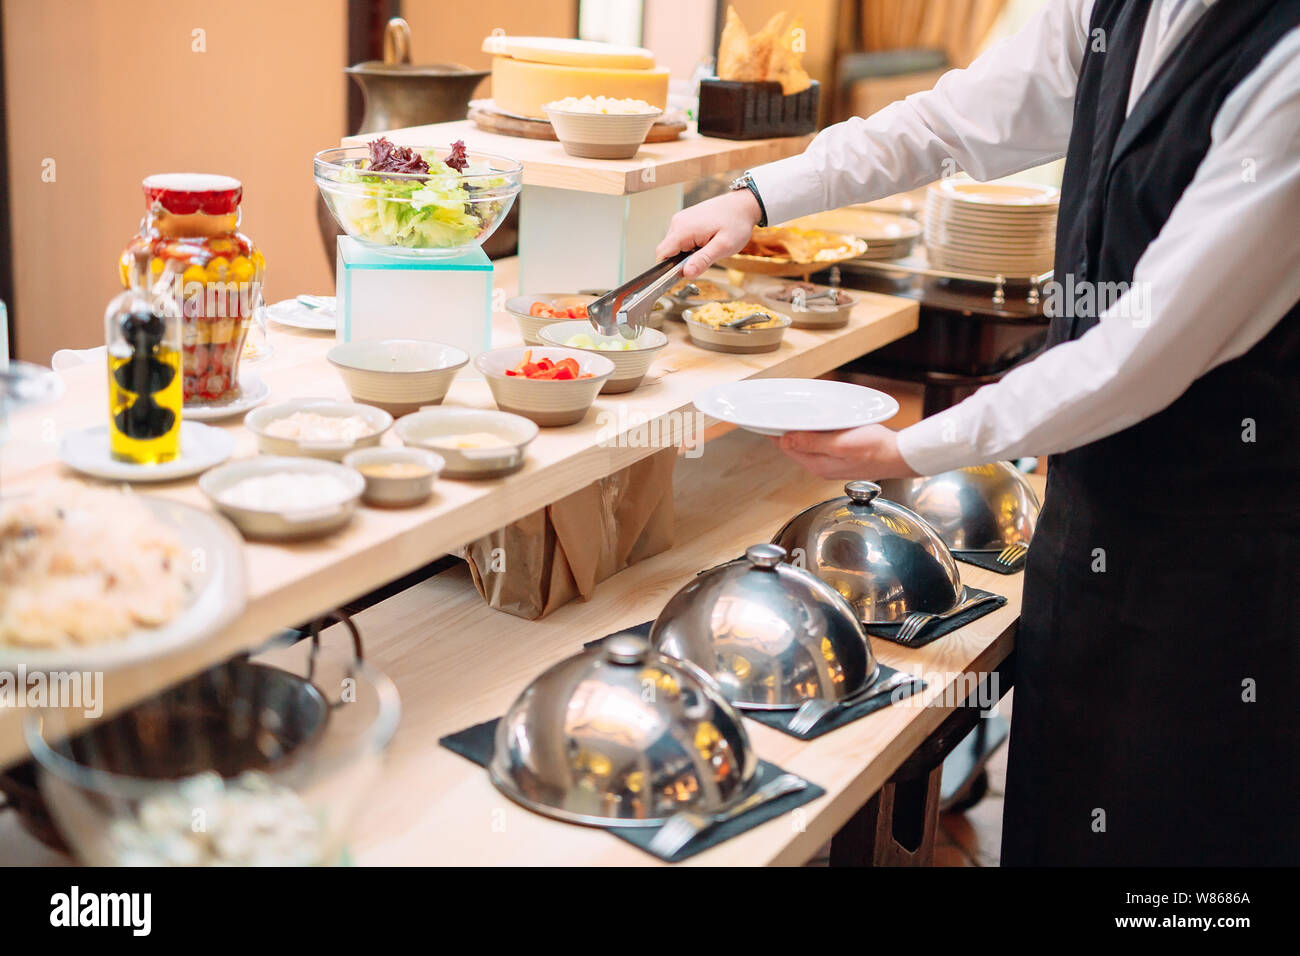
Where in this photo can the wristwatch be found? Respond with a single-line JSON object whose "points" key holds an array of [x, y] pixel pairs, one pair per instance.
{"points": [[747, 182]]}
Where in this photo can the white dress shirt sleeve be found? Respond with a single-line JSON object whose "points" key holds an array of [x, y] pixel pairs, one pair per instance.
{"points": [[1008, 111], [1221, 273]]}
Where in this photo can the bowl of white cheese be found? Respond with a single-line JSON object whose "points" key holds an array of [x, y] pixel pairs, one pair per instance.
{"points": [[283, 498]]}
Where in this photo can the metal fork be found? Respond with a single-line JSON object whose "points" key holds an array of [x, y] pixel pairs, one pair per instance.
{"points": [[813, 712], [1011, 554], [685, 826], [916, 622]]}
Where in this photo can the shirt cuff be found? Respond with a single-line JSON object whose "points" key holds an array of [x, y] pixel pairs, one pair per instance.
{"points": [[933, 445], [790, 188]]}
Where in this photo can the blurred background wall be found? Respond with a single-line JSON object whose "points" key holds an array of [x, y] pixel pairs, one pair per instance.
{"points": [[101, 93], [113, 91]]}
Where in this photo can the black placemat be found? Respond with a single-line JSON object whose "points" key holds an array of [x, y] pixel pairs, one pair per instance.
{"points": [[475, 744], [780, 719], [938, 628], [988, 560]]}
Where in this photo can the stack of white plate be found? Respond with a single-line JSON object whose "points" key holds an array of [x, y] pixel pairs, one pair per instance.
{"points": [[887, 236], [1003, 228]]}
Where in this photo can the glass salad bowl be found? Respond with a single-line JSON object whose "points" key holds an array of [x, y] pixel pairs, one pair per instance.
{"points": [[264, 761], [438, 211]]}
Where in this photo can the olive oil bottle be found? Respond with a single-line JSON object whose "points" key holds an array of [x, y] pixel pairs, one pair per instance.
{"points": [[143, 333]]}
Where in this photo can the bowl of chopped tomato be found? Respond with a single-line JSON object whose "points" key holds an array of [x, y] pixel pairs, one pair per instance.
{"points": [[533, 312], [552, 386]]}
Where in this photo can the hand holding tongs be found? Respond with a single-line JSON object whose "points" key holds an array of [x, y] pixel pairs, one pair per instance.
{"points": [[624, 310]]}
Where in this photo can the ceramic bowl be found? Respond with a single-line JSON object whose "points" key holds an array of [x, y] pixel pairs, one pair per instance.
{"points": [[259, 419], [432, 428], [814, 314], [601, 135], [398, 375], [282, 524], [736, 340], [396, 491], [548, 403], [530, 326], [630, 365], [677, 303]]}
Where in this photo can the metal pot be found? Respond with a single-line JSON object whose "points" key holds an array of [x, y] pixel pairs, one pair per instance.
{"points": [[980, 508], [770, 634], [621, 735], [399, 93], [885, 560]]}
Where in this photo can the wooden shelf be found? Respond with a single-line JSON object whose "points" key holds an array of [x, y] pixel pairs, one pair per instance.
{"points": [[292, 583], [432, 806], [545, 163]]}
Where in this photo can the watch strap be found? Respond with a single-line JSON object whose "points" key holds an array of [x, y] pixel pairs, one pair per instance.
{"points": [[747, 182]]}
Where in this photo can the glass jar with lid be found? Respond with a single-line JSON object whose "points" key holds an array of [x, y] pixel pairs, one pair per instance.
{"points": [[191, 236]]}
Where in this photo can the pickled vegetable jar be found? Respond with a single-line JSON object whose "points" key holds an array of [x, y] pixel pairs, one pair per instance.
{"points": [[191, 235]]}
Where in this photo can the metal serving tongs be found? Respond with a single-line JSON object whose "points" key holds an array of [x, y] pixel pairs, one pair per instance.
{"points": [[623, 311]]}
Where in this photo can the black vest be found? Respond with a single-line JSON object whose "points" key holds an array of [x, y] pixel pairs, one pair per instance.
{"points": [[1131, 742], [1123, 177]]}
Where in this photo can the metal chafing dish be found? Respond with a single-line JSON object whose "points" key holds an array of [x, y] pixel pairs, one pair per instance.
{"points": [[773, 636], [885, 560], [980, 508], [621, 735]]}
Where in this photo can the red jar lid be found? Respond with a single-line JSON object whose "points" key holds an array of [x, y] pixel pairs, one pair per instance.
{"points": [[188, 193]]}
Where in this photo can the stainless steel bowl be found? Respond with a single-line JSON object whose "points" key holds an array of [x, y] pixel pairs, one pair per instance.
{"points": [[980, 508], [771, 635], [885, 560], [621, 735]]}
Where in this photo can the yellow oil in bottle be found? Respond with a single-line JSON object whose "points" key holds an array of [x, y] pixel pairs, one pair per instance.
{"points": [[145, 405]]}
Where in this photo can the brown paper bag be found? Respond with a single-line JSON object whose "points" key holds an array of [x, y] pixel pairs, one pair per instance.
{"points": [[546, 559]]}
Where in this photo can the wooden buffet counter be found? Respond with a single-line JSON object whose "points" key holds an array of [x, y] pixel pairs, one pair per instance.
{"points": [[457, 662], [288, 584]]}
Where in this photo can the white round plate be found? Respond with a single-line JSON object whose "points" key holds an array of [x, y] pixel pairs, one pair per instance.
{"points": [[252, 392], [293, 313], [1003, 195], [774, 406], [216, 597], [202, 447]]}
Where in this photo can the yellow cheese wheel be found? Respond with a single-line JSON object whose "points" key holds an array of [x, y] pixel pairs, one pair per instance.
{"points": [[520, 87], [567, 52]]}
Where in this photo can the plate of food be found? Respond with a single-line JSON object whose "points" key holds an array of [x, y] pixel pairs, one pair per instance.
{"points": [[774, 406], [693, 293], [743, 327], [95, 578], [791, 251]]}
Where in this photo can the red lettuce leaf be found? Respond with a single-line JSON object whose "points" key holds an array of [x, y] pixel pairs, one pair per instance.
{"points": [[457, 159], [385, 157]]}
